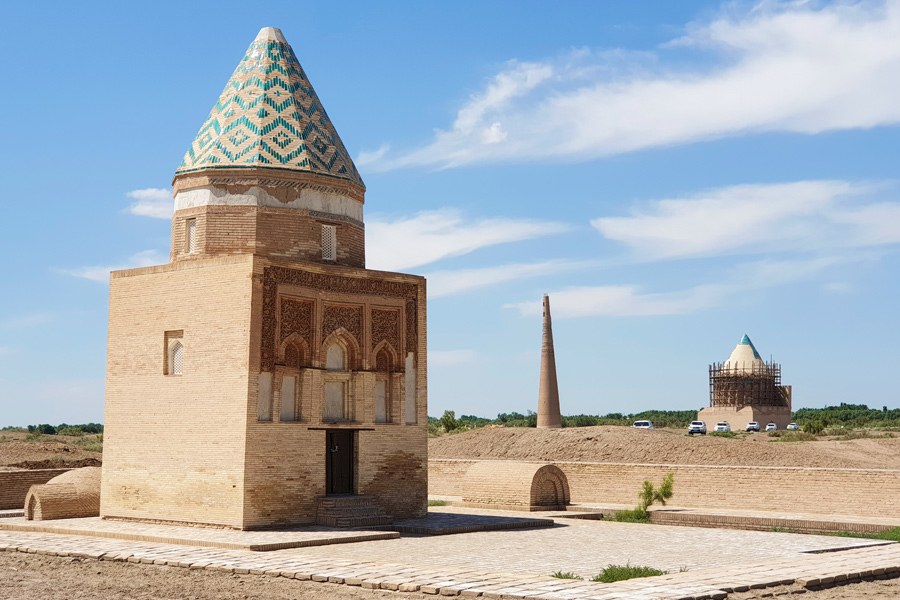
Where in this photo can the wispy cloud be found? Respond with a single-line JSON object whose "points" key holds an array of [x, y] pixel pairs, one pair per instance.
{"points": [[798, 67], [429, 236], [5, 351], [804, 216], [101, 273], [152, 202], [447, 283], [26, 321], [633, 301], [451, 358]]}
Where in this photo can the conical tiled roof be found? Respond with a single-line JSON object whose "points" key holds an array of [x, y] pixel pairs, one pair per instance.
{"points": [[269, 117], [744, 358]]}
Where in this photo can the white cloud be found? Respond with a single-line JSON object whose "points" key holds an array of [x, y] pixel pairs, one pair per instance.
{"points": [[782, 66], [838, 287], [446, 283], [27, 321], [5, 351], [101, 273], [632, 301], [430, 236], [799, 216], [152, 202], [451, 358]]}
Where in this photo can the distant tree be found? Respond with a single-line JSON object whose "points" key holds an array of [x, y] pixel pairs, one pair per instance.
{"points": [[448, 421]]}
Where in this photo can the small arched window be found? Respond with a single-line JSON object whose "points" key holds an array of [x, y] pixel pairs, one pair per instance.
{"points": [[335, 358], [177, 359], [292, 356]]}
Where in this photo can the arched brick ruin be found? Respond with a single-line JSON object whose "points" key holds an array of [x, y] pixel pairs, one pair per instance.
{"points": [[67, 496], [508, 485]]}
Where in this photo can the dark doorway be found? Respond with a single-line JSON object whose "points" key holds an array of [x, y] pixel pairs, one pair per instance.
{"points": [[339, 462]]}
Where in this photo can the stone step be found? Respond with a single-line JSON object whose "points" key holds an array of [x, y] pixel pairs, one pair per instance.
{"points": [[355, 521], [350, 511], [348, 500]]}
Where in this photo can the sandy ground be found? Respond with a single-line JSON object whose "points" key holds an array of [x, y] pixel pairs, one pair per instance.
{"points": [[55, 578], [666, 446], [51, 452]]}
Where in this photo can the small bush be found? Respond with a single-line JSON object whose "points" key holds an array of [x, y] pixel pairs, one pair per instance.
{"points": [[73, 431], [566, 575], [794, 436], [613, 573], [638, 515], [437, 503], [91, 443], [727, 434], [814, 427], [14, 429]]}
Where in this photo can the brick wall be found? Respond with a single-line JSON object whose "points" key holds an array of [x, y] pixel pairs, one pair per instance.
{"points": [[174, 444], [14, 485], [280, 233], [863, 492]]}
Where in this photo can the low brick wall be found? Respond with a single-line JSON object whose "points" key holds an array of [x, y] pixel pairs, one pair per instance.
{"points": [[14, 485], [863, 492]]}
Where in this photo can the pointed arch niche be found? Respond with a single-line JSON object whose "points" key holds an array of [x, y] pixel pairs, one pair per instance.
{"points": [[293, 359], [340, 352], [386, 367]]}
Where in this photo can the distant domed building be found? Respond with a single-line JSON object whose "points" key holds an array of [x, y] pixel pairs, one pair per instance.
{"points": [[745, 388]]}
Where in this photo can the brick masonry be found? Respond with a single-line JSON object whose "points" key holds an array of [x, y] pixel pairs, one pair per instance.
{"points": [[190, 448], [864, 492], [14, 485]]}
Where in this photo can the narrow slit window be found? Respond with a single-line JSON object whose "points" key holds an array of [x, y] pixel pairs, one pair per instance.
{"points": [[177, 358], [329, 242], [191, 235]]}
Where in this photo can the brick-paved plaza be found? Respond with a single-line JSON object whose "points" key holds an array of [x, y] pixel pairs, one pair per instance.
{"points": [[517, 563]]}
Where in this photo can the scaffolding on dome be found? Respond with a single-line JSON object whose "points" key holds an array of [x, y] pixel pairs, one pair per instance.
{"points": [[737, 386]]}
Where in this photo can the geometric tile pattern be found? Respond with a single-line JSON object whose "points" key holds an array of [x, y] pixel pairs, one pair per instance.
{"points": [[269, 116]]}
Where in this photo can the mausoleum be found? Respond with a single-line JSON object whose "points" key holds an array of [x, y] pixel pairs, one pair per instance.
{"points": [[745, 388], [264, 369]]}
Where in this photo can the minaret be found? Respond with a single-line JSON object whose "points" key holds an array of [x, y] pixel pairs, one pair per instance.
{"points": [[548, 398]]}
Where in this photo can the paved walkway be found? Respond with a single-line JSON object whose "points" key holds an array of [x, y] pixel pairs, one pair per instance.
{"points": [[259, 541], [515, 564]]}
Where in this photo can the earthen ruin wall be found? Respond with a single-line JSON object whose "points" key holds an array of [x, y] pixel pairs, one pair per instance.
{"points": [[862, 492]]}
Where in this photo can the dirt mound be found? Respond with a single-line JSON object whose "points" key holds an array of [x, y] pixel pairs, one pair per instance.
{"points": [[17, 449], [55, 464], [663, 446]]}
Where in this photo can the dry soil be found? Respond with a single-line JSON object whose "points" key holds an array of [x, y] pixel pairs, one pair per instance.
{"points": [[663, 446], [56, 578], [51, 452]]}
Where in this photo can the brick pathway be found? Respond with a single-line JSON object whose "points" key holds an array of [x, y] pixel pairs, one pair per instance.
{"points": [[386, 565], [259, 541]]}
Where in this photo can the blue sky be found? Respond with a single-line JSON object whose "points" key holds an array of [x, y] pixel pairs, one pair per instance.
{"points": [[673, 174]]}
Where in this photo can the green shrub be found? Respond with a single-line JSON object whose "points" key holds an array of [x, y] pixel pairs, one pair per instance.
{"points": [[566, 575], [637, 515], [448, 421], [90, 443], [437, 503], [613, 573], [73, 431], [14, 429], [728, 434], [649, 495], [793, 436], [814, 427]]}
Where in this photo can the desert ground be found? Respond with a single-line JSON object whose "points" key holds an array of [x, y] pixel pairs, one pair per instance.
{"points": [[52, 578], [665, 446]]}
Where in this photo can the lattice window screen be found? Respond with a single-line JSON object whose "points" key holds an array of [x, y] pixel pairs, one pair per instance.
{"points": [[192, 235], [329, 242], [177, 358]]}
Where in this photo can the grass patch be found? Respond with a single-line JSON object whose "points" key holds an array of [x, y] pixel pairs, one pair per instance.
{"points": [[566, 575], [891, 535], [613, 573], [637, 515], [90, 443], [783, 530], [792, 436], [437, 503], [728, 434]]}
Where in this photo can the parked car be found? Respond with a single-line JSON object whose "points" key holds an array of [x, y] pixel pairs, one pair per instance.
{"points": [[753, 426], [723, 427], [771, 427], [697, 427], [643, 425], [793, 426]]}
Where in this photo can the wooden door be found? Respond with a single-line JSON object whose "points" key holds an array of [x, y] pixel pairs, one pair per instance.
{"points": [[339, 462]]}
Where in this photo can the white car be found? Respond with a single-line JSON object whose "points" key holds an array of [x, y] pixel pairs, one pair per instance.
{"points": [[643, 425], [753, 426], [697, 427], [771, 427], [793, 426], [723, 427]]}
